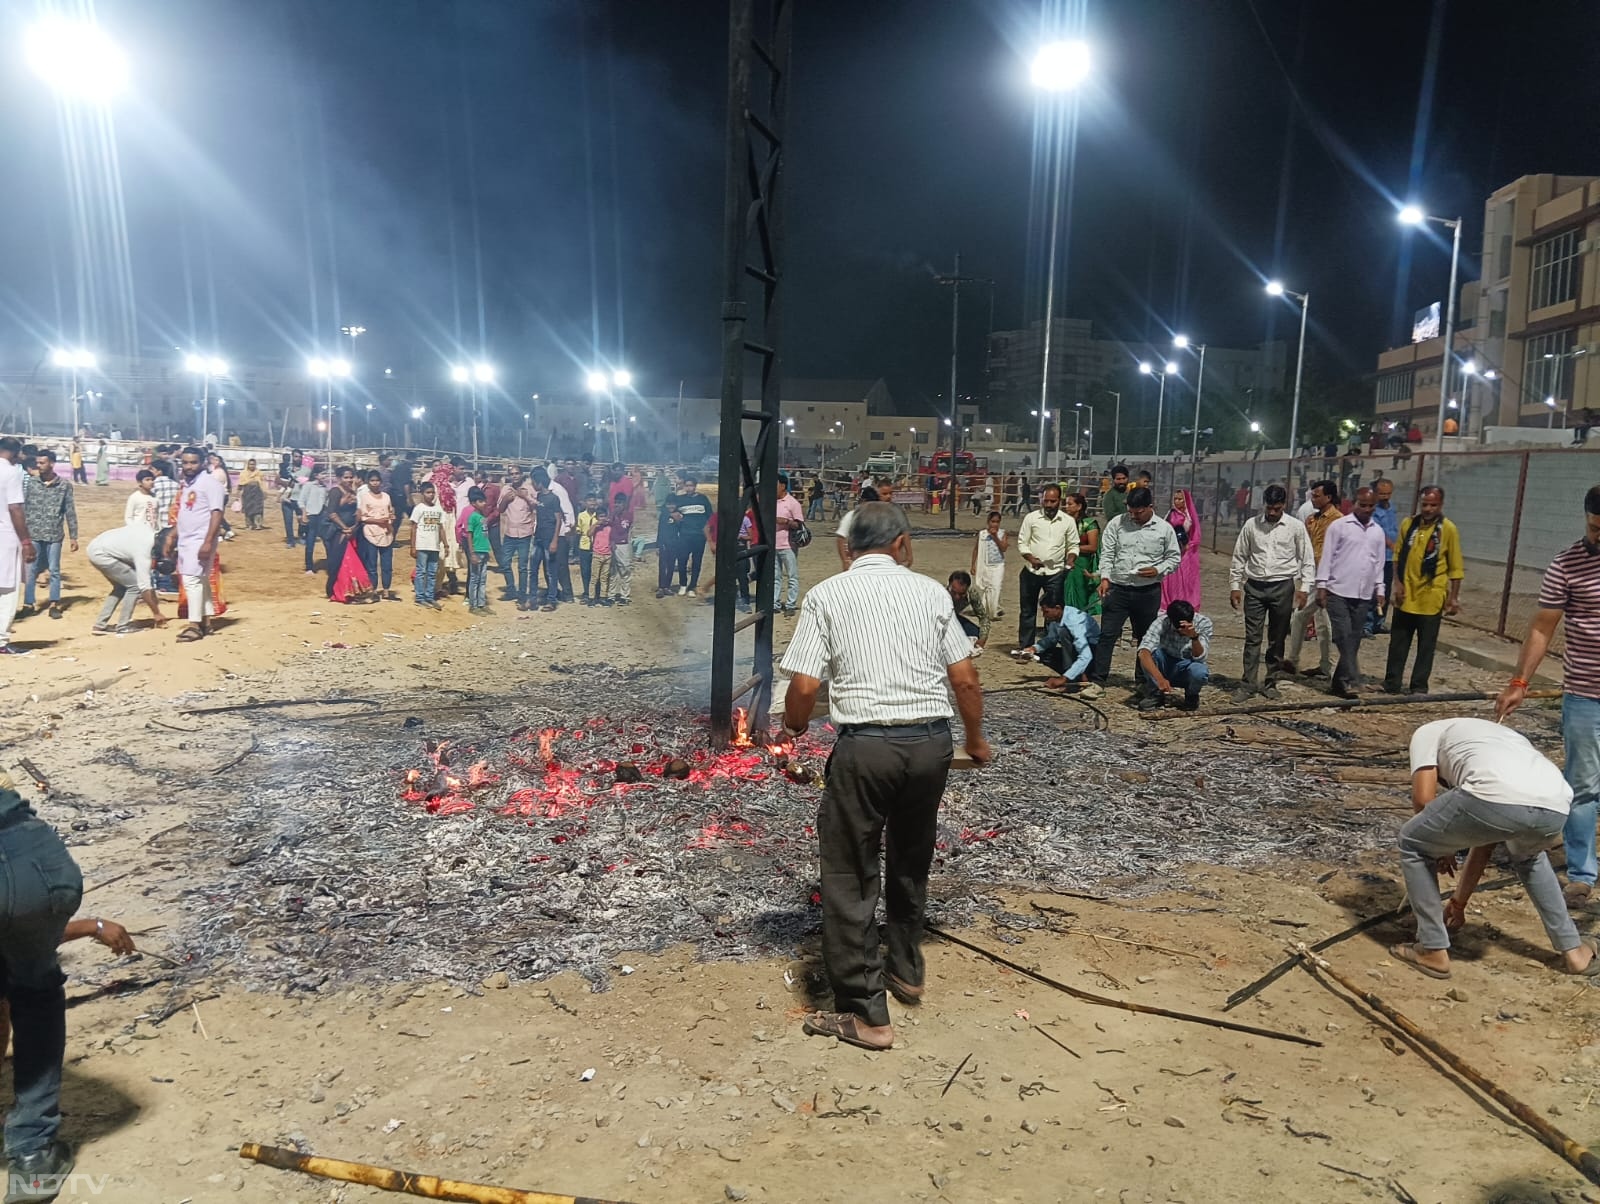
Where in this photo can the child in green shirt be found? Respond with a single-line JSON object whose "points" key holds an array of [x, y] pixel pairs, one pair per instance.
{"points": [[478, 553]]}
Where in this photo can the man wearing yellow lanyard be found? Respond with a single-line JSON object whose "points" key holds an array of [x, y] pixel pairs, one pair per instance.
{"points": [[1427, 585]]}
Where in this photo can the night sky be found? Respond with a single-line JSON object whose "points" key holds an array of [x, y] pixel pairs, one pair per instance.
{"points": [[288, 166]]}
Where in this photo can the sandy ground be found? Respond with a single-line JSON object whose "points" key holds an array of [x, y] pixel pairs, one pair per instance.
{"points": [[704, 1087]]}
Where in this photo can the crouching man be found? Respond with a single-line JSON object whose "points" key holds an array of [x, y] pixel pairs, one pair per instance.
{"points": [[1173, 656], [1497, 789]]}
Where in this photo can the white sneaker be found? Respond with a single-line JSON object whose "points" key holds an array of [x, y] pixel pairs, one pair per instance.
{"points": [[682, 590], [692, 594]]}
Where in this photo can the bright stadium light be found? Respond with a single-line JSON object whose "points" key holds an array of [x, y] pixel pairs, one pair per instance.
{"points": [[1274, 288], [597, 382], [460, 374], [339, 367], [484, 373], [77, 58], [622, 378], [1061, 66], [1411, 215]]}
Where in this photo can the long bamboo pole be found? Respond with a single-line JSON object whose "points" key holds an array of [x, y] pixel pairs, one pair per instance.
{"points": [[1579, 1156], [1144, 1009], [406, 1182]]}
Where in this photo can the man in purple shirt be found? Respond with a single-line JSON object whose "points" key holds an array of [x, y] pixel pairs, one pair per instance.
{"points": [[194, 538], [1349, 576]]}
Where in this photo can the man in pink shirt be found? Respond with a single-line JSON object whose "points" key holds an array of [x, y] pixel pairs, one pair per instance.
{"points": [[516, 513], [201, 498], [790, 514], [1349, 576]]}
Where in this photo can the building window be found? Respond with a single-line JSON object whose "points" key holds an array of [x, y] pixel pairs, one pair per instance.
{"points": [[922, 437], [1555, 271], [877, 436], [1547, 368], [1504, 257], [1396, 386]]}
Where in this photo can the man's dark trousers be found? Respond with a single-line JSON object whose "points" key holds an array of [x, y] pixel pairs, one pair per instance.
{"points": [[1031, 586], [884, 785], [42, 888], [1348, 617], [1137, 605], [1268, 605], [1401, 628]]}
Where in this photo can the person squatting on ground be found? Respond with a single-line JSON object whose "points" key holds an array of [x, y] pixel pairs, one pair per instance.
{"points": [[1498, 789]]}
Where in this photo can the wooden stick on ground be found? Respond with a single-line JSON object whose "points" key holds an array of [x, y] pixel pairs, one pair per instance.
{"points": [[1579, 1156], [402, 1181], [1356, 929], [1127, 1006], [1366, 700]]}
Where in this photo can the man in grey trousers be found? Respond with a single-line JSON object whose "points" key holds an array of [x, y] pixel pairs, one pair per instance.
{"points": [[1349, 576], [892, 650], [1498, 789]]}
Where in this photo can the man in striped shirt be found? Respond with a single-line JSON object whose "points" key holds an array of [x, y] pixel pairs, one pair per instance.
{"points": [[1571, 591], [888, 642]]}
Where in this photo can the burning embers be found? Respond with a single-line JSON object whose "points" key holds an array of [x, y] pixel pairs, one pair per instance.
{"points": [[562, 774], [445, 790]]}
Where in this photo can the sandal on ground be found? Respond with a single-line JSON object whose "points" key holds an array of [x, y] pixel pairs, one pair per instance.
{"points": [[843, 1025], [191, 633], [1592, 970], [903, 991], [1408, 954]]}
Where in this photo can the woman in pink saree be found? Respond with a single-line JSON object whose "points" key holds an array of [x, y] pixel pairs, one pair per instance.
{"points": [[1185, 582]]}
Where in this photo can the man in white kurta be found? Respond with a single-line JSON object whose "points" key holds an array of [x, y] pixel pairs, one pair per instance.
{"points": [[15, 546]]}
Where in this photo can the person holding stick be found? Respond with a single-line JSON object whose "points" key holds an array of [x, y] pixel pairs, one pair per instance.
{"points": [[1498, 789], [1571, 591]]}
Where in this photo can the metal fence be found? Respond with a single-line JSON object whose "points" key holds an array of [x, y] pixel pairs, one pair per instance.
{"points": [[1515, 511]]}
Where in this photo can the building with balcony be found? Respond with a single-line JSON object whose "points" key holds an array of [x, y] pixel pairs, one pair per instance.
{"points": [[1527, 329]]}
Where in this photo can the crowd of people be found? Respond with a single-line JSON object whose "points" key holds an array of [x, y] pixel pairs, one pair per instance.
{"points": [[1333, 572]]}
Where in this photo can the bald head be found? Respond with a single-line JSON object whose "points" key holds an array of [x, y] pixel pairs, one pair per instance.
{"points": [[1366, 500]]}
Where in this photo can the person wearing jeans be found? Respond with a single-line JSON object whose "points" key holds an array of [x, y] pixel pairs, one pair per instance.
{"points": [[427, 525], [1497, 789], [51, 516], [40, 887], [1173, 654], [515, 506], [789, 516], [1571, 591]]}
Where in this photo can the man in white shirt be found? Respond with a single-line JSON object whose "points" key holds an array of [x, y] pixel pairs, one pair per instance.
{"points": [[1272, 573], [569, 524], [1048, 544], [841, 535], [888, 642], [15, 545], [123, 556], [1498, 789]]}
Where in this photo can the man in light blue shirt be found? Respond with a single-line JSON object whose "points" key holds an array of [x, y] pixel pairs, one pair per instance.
{"points": [[1386, 517], [1067, 628], [1173, 653]]}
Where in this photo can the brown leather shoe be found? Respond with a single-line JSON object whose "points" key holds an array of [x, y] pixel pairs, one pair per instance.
{"points": [[903, 991]]}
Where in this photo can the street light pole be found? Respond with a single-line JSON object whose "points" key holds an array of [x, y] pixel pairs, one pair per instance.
{"points": [[1411, 215], [1275, 289], [1181, 341], [1059, 67], [1116, 426]]}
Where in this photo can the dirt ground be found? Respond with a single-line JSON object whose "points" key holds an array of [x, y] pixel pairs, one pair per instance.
{"points": [[1000, 1088]]}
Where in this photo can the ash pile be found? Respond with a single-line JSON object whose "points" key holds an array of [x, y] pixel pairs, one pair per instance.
{"points": [[588, 821]]}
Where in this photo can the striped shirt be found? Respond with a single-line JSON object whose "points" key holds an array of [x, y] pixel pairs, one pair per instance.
{"points": [[883, 637], [1572, 586]]}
